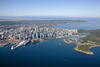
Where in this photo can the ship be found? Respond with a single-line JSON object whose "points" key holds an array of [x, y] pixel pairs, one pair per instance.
{"points": [[22, 43]]}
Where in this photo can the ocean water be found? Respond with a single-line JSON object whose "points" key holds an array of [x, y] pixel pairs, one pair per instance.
{"points": [[51, 53], [90, 25]]}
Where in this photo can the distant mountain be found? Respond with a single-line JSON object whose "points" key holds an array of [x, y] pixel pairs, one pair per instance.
{"points": [[32, 18], [17, 18]]}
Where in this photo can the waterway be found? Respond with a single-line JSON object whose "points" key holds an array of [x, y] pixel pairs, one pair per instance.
{"points": [[51, 53]]}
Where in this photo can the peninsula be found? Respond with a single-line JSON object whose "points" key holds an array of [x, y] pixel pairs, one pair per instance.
{"points": [[88, 42]]}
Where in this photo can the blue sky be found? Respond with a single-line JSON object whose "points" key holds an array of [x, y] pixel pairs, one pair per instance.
{"points": [[69, 8]]}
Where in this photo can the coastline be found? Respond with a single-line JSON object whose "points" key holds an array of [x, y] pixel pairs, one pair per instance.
{"points": [[89, 53], [67, 41], [94, 46], [3, 44], [85, 52]]}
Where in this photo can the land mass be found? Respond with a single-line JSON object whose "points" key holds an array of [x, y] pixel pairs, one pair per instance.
{"points": [[39, 22], [88, 42]]}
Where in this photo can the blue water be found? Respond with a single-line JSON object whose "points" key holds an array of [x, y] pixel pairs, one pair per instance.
{"points": [[51, 53], [81, 25]]}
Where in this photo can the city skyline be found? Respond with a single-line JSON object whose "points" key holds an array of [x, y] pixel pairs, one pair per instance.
{"points": [[67, 8]]}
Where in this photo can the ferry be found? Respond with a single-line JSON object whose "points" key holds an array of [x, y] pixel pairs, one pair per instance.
{"points": [[22, 43]]}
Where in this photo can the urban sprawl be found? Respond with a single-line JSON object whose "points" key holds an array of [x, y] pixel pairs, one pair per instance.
{"points": [[19, 35]]}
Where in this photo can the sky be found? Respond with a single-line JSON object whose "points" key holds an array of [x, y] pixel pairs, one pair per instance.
{"points": [[68, 8]]}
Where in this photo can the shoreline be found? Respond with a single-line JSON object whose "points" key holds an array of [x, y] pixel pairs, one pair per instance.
{"points": [[67, 41], [3, 44], [89, 53], [94, 46], [85, 52]]}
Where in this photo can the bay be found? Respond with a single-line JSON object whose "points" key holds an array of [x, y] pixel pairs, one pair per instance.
{"points": [[52, 53]]}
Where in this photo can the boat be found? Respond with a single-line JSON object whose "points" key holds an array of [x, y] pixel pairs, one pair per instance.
{"points": [[22, 43]]}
